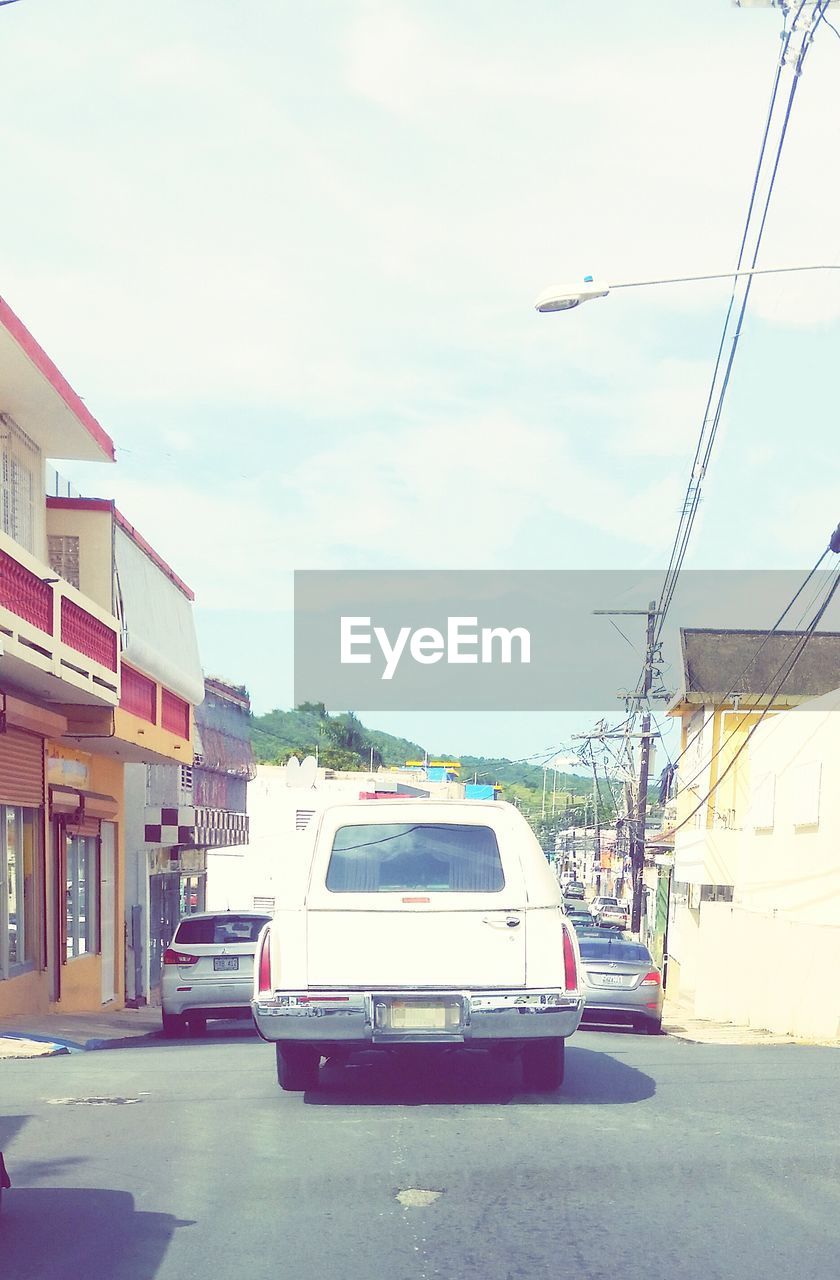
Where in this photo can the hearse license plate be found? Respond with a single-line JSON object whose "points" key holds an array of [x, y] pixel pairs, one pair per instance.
{"points": [[224, 964], [417, 1015]]}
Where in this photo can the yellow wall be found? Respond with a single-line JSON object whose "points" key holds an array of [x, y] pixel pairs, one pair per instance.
{"points": [[151, 737], [25, 994], [732, 795], [81, 978], [80, 986], [94, 529]]}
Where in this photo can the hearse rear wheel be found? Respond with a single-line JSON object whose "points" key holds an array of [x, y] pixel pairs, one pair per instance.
{"points": [[544, 1064], [297, 1066]]}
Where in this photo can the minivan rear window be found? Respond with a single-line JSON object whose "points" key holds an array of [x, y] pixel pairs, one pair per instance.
{"points": [[223, 929], [426, 857]]}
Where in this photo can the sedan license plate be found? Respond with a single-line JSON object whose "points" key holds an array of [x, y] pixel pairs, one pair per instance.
{"points": [[612, 980], [225, 964]]}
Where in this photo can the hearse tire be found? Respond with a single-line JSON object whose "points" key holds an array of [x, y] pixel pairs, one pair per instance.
{"points": [[544, 1064], [297, 1067]]}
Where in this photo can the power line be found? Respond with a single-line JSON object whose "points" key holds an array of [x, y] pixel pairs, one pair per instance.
{"points": [[711, 418], [793, 661], [733, 688]]}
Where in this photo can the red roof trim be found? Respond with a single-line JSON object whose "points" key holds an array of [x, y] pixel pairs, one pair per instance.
{"points": [[80, 504], [106, 504], [57, 381]]}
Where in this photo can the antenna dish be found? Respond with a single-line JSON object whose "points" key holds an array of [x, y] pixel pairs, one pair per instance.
{"points": [[308, 772], [301, 773]]}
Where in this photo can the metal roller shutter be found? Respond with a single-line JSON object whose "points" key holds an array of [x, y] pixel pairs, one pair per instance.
{"points": [[21, 769]]}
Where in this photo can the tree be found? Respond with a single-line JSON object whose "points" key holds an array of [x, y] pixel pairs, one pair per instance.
{"points": [[348, 734]]}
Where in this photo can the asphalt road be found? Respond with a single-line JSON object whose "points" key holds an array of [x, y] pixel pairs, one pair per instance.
{"points": [[658, 1159]]}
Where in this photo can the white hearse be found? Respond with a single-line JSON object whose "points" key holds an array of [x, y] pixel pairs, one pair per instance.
{"points": [[417, 922]]}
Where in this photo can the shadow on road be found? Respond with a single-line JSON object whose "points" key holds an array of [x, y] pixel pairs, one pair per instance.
{"points": [[81, 1232], [216, 1032], [459, 1076], [9, 1127]]}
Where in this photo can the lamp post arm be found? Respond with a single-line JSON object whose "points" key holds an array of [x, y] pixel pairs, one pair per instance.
{"points": [[727, 275]]}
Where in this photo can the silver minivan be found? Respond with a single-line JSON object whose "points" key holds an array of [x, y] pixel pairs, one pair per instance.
{"points": [[208, 969]]}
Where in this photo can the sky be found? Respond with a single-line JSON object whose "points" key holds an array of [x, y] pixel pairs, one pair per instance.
{"points": [[288, 254]]}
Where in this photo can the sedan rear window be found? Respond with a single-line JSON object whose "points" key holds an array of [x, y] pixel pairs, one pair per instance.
{"points": [[426, 857], [221, 929], [617, 949]]}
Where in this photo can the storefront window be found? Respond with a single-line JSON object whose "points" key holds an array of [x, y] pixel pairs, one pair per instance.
{"points": [[81, 895], [17, 881], [191, 894]]}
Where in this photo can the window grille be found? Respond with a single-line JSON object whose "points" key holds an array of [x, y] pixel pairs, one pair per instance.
{"points": [[21, 459]]}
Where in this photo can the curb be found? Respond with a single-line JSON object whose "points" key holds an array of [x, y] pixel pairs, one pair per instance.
{"points": [[51, 1048], [65, 1045]]}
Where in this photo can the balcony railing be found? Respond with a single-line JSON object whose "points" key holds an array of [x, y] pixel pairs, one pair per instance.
{"points": [[22, 592], [48, 626]]}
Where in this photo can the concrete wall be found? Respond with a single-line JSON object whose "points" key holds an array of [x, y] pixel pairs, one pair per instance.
{"points": [[710, 856], [767, 971], [790, 855], [94, 529]]}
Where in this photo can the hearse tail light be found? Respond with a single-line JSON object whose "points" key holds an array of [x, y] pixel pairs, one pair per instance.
{"points": [[264, 968], [569, 961]]}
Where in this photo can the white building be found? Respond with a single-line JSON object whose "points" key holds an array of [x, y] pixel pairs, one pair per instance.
{"points": [[770, 958]]}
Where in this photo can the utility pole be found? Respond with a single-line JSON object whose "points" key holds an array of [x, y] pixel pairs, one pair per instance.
{"points": [[637, 818], [637, 827], [596, 834]]}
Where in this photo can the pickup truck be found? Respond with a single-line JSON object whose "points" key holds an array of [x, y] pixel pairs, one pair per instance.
{"points": [[412, 922]]}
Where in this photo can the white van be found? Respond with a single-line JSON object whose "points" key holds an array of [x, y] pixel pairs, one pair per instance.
{"points": [[416, 922]]}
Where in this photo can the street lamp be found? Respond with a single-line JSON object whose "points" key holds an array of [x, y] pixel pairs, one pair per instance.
{"points": [[565, 297]]}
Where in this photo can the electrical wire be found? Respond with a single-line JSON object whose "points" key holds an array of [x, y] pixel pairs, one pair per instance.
{"points": [[709, 428], [803, 636], [767, 636], [794, 658]]}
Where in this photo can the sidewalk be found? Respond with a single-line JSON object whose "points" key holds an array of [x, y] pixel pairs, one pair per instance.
{"points": [[679, 1021], [43, 1035]]}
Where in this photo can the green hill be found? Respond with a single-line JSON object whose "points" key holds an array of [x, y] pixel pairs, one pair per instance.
{"points": [[343, 742]]}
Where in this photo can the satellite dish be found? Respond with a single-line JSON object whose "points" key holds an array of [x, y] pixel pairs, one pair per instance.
{"points": [[301, 773], [308, 772]]}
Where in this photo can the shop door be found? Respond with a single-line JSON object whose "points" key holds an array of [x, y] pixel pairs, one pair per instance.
{"points": [[164, 914]]}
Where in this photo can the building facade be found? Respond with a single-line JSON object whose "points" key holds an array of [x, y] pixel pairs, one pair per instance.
{"points": [[92, 677], [177, 815], [736, 687]]}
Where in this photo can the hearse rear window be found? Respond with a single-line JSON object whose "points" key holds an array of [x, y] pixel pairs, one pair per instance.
{"points": [[423, 857]]}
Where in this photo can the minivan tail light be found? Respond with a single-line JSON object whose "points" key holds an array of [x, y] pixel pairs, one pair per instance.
{"points": [[569, 961], [651, 980], [264, 967], [171, 956]]}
